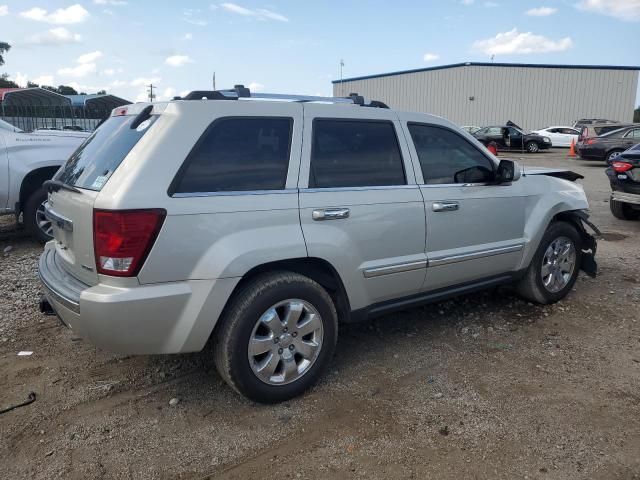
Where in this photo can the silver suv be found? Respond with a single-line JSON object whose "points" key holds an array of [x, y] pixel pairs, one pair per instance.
{"points": [[260, 222]]}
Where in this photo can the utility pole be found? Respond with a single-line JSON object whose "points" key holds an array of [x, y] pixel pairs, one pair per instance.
{"points": [[341, 67], [152, 95], [214, 80]]}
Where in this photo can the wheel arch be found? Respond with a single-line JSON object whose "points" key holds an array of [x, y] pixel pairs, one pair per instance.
{"points": [[32, 181], [317, 269]]}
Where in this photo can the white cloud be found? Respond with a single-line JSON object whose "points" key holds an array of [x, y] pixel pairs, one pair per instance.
{"points": [[467, 2], [256, 87], [110, 72], [55, 36], [184, 93], [63, 16], [178, 60], [86, 88], [515, 43], [21, 79], [81, 70], [258, 13], [430, 57], [627, 10], [90, 57], [541, 11], [188, 36], [4, 10], [114, 3], [491, 4], [43, 80], [194, 17], [168, 94], [140, 81]]}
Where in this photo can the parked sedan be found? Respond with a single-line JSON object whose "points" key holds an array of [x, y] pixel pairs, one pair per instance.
{"points": [[624, 176], [560, 136], [470, 128], [610, 145], [511, 138]]}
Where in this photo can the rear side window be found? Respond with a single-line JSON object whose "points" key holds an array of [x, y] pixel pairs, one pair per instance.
{"points": [[446, 157], [238, 154], [99, 156], [353, 153]]}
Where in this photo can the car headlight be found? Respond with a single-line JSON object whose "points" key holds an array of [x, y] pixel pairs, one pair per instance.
{"points": [[546, 140]]}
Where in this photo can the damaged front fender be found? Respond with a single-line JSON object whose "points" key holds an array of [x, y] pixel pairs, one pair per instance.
{"points": [[580, 219]]}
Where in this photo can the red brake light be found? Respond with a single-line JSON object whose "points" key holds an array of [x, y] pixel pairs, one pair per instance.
{"points": [[122, 239], [621, 167], [591, 141]]}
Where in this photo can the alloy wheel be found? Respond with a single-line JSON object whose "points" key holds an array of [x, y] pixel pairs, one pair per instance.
{"points": [[285, 342], [43, 223], [558, 264]]}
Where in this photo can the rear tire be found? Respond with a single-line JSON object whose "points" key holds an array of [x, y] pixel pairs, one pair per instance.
{"points": [[532, 147], [255, 318], [612, 155], [538, 283], [33, 217], [623, 211]]}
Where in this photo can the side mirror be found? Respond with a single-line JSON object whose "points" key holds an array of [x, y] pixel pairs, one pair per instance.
{"points": [[508, 171]]}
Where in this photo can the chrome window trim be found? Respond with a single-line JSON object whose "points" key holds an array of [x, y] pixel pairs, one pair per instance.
{"points": [[443, 185], [358, 189], [395, 268], [448, 259], [234, 193]]}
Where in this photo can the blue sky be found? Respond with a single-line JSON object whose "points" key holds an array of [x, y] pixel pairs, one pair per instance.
{"points": [[296, 46]]}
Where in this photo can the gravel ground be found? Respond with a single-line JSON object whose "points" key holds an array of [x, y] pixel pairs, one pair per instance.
{"points": [[485, 386]]}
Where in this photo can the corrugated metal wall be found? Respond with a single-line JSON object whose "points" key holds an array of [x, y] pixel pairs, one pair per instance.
{"points": [[531, 97]]}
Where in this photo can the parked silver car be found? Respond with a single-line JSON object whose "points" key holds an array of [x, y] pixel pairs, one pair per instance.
{"points": [[261, 224]]}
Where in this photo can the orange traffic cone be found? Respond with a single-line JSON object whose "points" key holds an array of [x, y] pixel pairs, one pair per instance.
{"points": [[572, 148]]}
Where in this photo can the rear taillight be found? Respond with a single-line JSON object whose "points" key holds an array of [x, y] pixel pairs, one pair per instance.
{"points": [[122, 239], [621, 167], [591, 141]]}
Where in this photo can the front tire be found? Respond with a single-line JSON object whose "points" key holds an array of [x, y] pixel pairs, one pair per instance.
{"points": [[555, 266], [532, 147], [623, 211], [276, 337], [38, 226]]}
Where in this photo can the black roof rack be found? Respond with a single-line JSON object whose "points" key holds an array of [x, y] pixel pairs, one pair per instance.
{"points": [[240, 91]]}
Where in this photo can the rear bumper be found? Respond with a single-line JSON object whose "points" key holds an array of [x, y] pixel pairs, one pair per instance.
{"points": [[146, 319], [625, 197]]}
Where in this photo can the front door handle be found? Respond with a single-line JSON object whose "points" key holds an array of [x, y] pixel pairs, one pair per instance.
{"points": [[330, 214], [445, 206]]}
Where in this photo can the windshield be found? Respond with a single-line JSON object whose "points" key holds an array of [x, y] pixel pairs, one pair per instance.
{"points": [[99, 156]]}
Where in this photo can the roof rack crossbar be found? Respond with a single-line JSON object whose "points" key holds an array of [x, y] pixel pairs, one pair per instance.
{"points": [[240, 91]]}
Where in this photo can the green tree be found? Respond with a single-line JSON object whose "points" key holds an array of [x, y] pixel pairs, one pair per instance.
{"points": [[6, 83], [66, 90], [4, 47], [30, 84], [101, 92]]}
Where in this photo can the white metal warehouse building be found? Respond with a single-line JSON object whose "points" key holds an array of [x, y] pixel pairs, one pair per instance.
{"points": [[531, 95]]}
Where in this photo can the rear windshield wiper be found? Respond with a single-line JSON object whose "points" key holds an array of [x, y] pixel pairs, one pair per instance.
{"points": [[55, 185]]}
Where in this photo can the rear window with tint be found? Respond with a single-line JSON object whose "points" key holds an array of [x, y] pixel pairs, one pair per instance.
{"points": [[99, 156], [238, 154]]}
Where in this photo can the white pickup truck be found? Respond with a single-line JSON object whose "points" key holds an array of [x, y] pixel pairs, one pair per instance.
{"points": [[26, 161]]}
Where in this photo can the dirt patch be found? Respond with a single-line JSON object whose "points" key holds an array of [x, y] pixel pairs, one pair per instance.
{"points": [[613, 236]]}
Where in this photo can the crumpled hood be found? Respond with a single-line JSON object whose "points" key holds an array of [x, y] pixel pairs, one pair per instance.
{"points": [[552, 172]]}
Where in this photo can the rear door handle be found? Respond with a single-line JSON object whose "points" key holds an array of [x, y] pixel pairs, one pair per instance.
{"points": [[330, 214], [445, 206]]}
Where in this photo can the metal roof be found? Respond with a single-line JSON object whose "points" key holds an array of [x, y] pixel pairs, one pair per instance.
{"points": [[486, 64], [34, 97], [107, 102]]}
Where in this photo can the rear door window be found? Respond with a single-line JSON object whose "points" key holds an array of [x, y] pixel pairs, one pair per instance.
{"points": [[238, 154], [91, 165], [355, 153]]}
